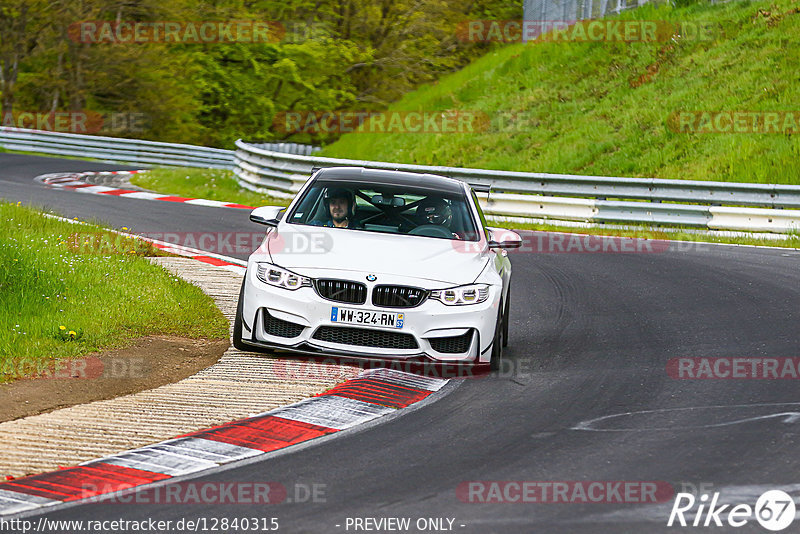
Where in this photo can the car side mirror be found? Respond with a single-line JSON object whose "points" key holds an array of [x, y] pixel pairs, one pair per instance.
{"points": [[500, 238], [267, 215]]}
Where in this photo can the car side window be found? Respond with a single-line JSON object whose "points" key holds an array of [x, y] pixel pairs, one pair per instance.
{"points": [[482, 217], [309, 208], [396, 209]]}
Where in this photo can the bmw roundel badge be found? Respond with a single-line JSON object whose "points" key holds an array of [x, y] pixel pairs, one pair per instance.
{"points": [[371, 277]]}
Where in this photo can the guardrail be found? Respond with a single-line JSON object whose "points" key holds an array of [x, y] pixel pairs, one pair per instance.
{"points": [[288, 148], [704, 204], [533, 196], [118, 150]]}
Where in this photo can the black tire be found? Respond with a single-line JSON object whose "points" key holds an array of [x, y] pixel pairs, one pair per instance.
{"points": [[506, 316], [238, 342], [237, 322], [497, 345]]}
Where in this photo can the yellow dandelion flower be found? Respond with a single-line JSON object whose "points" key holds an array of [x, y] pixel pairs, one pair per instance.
{"points": [[62, 327]]}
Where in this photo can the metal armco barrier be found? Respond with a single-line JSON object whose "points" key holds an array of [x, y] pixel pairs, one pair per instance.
{"points": [[704, 204], [288, 148], [115, 149], [280, 169]]}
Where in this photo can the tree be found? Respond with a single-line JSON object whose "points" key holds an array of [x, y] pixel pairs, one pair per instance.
{"points": [[21, 23], [336, 55]]}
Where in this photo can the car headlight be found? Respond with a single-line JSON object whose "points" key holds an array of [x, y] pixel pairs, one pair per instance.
{"points": [[462, 295], [278, 277]]}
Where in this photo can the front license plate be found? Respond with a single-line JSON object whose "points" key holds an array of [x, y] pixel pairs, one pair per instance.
{"points": [[366, 317]]}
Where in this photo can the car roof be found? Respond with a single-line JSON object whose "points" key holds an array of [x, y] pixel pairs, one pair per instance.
{"points": [[386, 177]]}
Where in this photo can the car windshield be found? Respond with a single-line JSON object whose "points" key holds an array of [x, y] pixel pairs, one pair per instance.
{"points": [[388, 209]]}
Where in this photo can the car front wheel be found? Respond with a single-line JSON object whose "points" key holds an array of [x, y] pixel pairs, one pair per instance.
{"points": [[497, 345], [237, 322], [238, 342], [506, 316]]}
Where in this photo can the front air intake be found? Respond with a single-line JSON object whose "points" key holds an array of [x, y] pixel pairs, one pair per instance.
{"points": [[345, 291], [398, 296]]}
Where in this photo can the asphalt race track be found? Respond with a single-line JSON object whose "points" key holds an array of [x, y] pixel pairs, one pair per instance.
{"points": [[591, 337]]}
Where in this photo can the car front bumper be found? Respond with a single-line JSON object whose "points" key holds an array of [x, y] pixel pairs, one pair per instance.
{"points": [[300, 318]]}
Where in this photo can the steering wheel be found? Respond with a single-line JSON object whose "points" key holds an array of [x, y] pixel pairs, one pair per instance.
{"points": [[432, 230]]}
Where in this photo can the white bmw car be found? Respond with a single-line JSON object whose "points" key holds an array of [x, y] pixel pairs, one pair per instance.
{"points": [[378, 264]]}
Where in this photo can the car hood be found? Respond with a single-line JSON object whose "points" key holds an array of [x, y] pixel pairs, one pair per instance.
{"points": [[310, 250]]}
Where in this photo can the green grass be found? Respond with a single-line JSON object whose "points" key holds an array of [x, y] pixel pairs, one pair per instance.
{"points": [[96, 285], [592, 108], [211, 184]]}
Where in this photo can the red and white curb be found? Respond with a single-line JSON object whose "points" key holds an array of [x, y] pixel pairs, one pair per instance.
{"points": [[218, 260], [224, 262], [372, 394], [74, 180]]}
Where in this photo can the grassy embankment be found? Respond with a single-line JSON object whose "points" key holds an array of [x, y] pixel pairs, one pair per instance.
{"points": [[67, 290], [603, 108]]}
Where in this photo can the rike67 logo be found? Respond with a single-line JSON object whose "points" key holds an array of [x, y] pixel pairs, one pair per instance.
{"points": [[774, 510]]}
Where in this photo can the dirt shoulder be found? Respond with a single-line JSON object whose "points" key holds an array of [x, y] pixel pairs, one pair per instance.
{"points": [[148, 363]]}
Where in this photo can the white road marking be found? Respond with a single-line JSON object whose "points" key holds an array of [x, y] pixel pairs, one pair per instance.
{"points": [[332, 411], [12, 502], [784, 416], [157, 461], [205, 449], [406, 379]]}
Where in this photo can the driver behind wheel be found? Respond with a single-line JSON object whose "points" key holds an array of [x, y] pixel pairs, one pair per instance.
{"points": [[436, 211], [340, 208]]}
